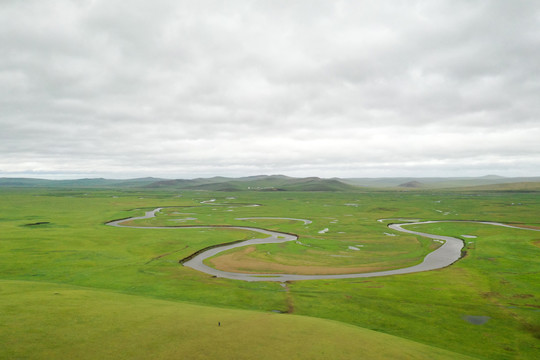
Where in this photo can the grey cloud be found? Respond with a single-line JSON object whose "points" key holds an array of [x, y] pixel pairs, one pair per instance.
{"points": [[185, 87]]}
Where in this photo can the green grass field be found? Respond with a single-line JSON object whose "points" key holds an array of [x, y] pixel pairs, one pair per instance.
{"points": [[42, 320], [122, 292]]}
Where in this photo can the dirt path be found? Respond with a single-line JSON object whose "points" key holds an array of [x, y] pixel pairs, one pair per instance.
{"points": [[290, 301]]}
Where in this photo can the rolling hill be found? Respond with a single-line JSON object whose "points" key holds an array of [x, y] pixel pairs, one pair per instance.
{"points": [[438, 182], [76, 183], [94, 324], [256, 183], [283, 183]]}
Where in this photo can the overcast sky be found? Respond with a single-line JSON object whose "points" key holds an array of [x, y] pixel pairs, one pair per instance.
{"points": [[181, 89]]}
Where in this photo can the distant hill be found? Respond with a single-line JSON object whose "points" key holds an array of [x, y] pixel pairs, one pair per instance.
{"points": [[284, 183], [25, 182], [492, 177], [253, 183], [316, 184], [438, 182], [509, 187], [77, 183], [412, 184], [261, 183]]}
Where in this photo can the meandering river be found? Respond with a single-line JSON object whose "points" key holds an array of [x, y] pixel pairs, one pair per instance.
{"points": [[444, 256]]}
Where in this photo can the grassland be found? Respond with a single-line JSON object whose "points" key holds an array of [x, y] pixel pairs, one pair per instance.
{"points": [[78, 323], [55, 241]]}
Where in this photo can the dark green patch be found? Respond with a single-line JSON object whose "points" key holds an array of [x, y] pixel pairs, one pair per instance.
{"points": [[38, 223]]}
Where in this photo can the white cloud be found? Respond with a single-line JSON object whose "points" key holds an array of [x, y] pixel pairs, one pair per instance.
{"points": [[344, 88]]}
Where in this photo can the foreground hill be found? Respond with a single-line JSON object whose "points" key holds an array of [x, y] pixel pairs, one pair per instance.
{"points": [[94, 324]]}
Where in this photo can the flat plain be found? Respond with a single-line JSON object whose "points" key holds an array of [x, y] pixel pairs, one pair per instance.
{"points": [[70, 285]]}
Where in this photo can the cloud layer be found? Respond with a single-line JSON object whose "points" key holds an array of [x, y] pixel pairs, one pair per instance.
{"points": [[329, 88]]}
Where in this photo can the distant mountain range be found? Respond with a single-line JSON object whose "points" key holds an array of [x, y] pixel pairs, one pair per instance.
{"points": [[77, 183], [438, 182], [284, 183], [261, 183]]}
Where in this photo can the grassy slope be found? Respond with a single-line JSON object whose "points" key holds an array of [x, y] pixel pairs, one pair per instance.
{"points": [[46, 321], [75, 248]]}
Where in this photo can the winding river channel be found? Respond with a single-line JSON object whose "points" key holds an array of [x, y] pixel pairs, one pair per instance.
{"points": [[445, 255]]}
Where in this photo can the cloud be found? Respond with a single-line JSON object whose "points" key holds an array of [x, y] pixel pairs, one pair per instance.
{"points": [[344, 88]]}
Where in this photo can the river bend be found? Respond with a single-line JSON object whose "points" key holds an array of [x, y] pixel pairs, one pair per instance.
{"points": [[445, 255]]}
